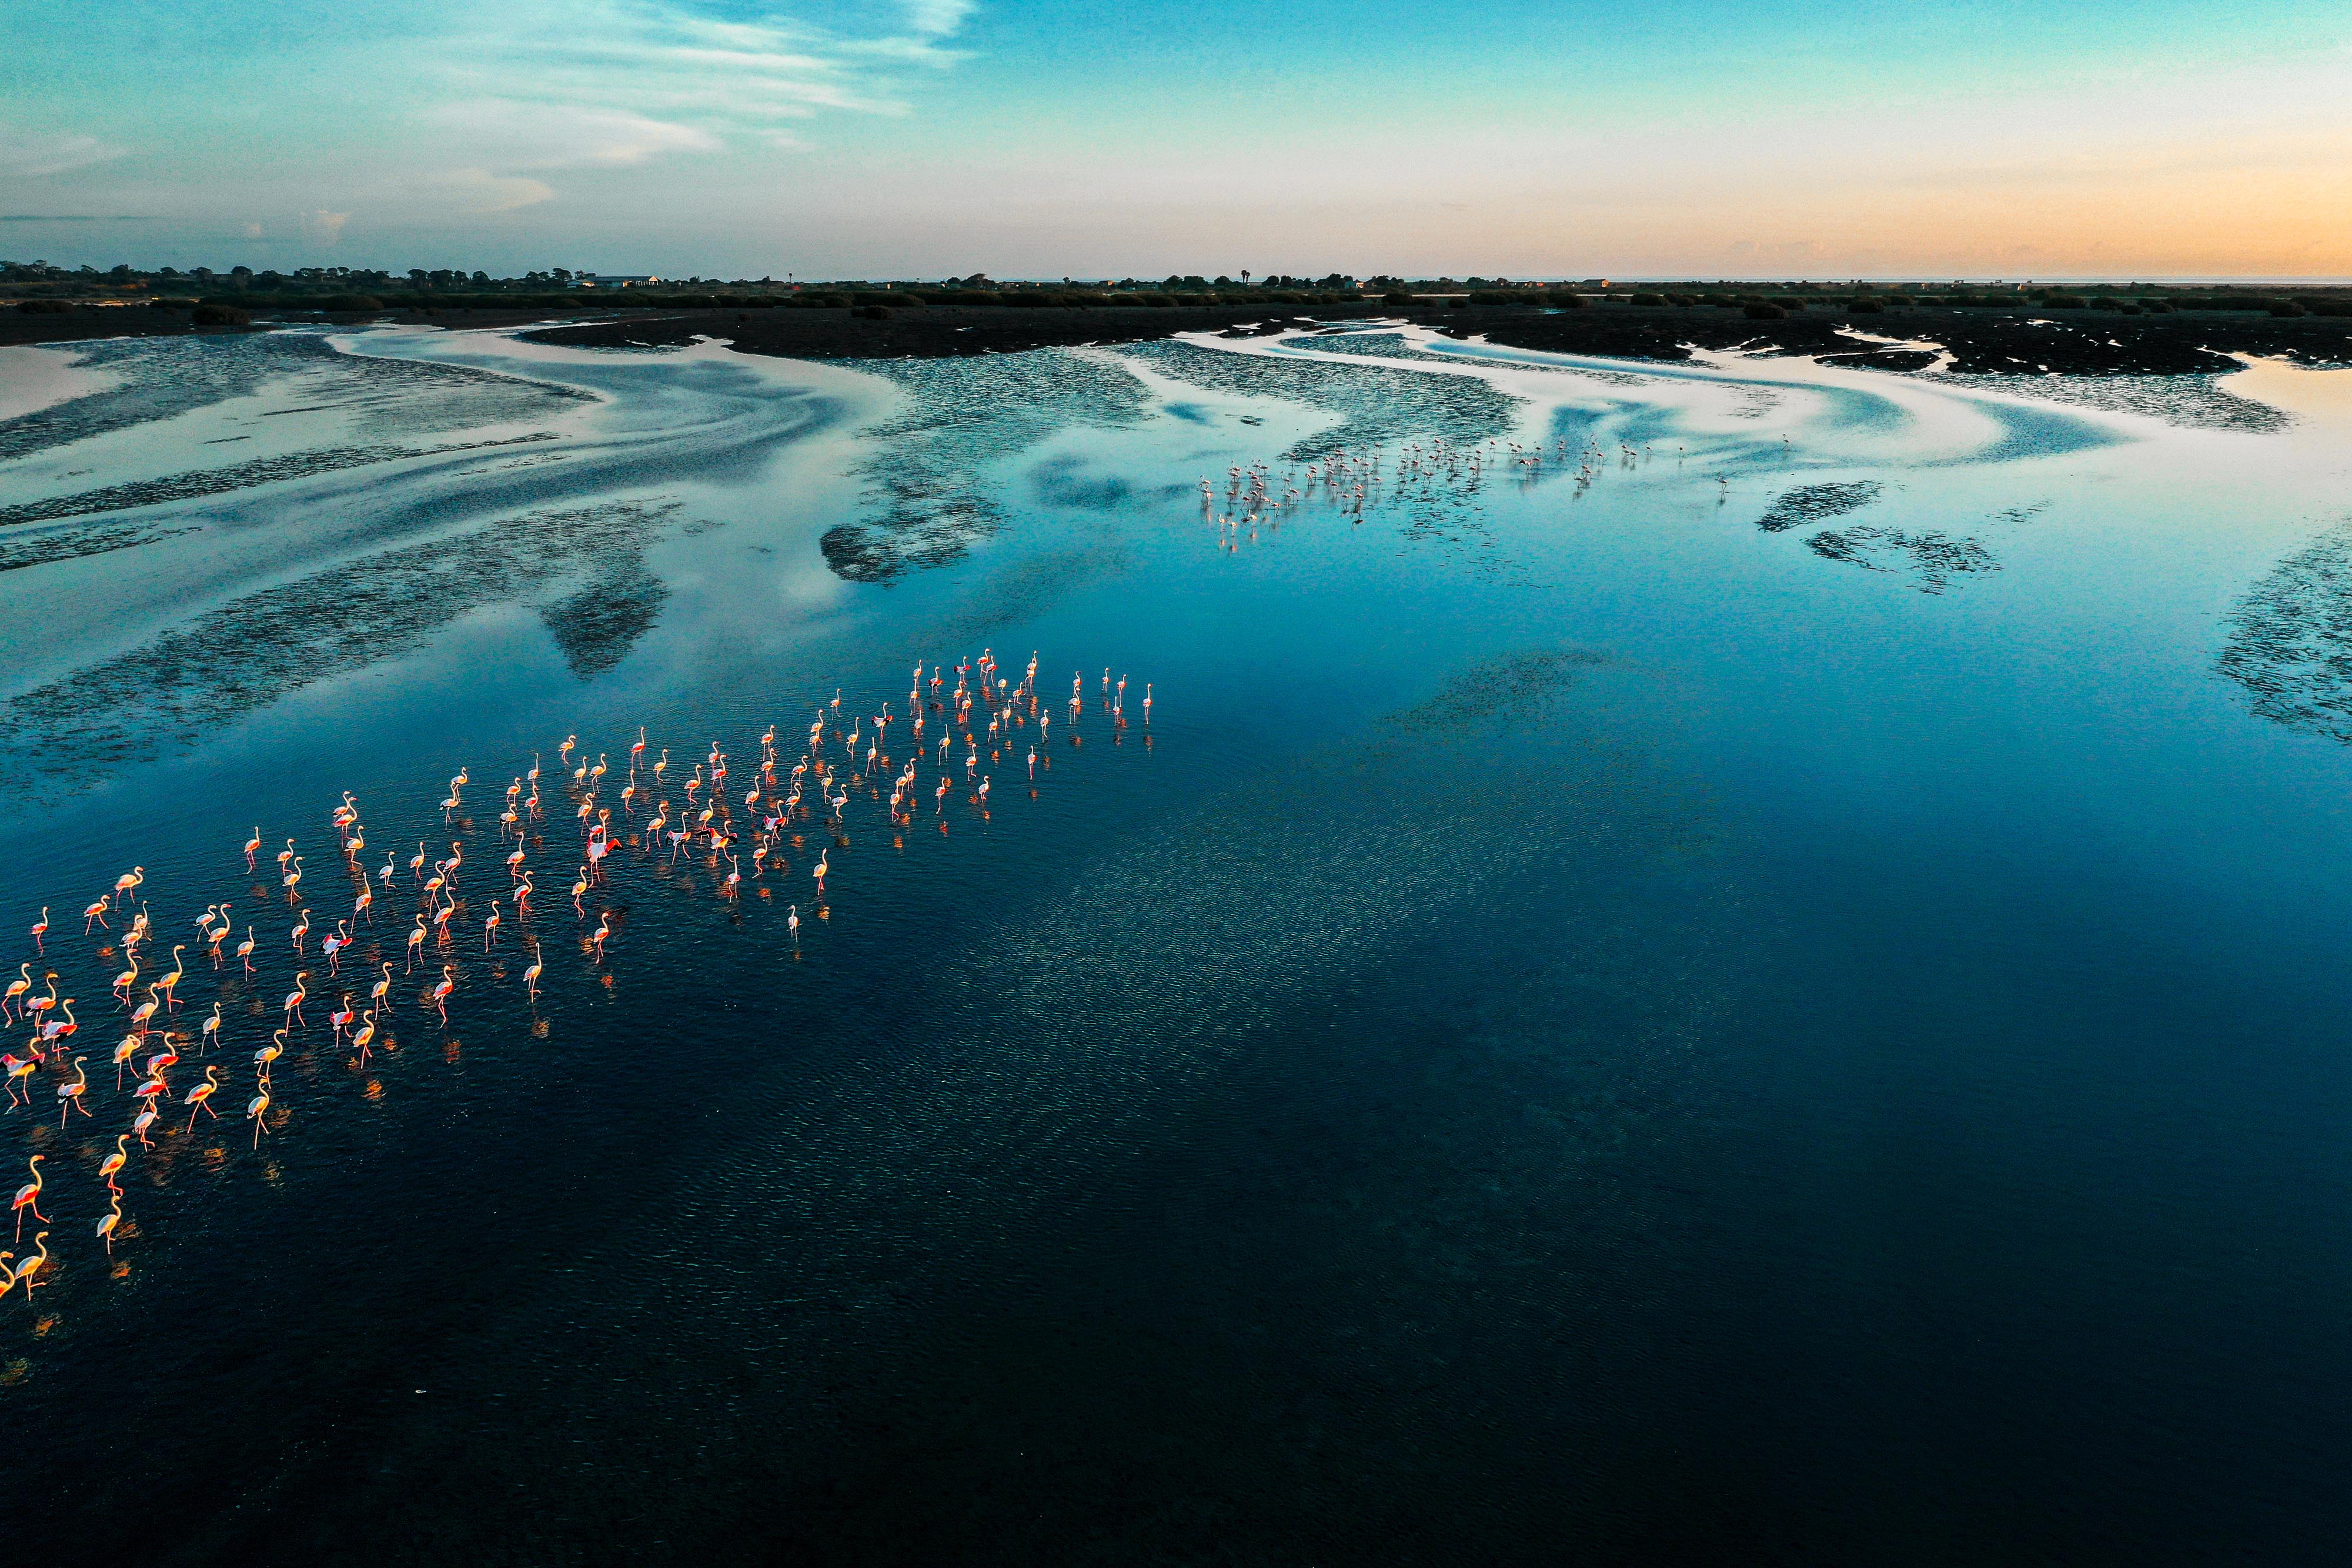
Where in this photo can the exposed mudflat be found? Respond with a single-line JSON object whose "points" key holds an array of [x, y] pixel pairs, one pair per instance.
{"points": [[2029, 340]]}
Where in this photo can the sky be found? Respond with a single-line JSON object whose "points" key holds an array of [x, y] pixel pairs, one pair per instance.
{"points": [[903, 138]]}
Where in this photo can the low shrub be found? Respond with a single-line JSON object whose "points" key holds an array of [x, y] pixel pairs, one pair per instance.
{"points": [[1645, 297], [350, 302], [1866, 306], [2288, 308], [1761, 312], [45, 306], [1564, 299], [221, 316]]}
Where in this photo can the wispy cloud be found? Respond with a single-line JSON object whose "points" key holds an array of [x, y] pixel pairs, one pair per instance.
{"points": [[541, 135], [77, 218], [30, 153], [474, 193], [618, 83]]}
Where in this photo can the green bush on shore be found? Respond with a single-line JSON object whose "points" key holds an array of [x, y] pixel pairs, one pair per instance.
{"points": [[221, 316], [1763, 311]]}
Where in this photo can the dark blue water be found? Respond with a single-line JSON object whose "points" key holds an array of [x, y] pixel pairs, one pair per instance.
{"points": [[1584, 1026]]}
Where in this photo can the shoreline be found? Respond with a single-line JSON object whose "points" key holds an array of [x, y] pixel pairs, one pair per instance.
{"points": [[2028, 341]]}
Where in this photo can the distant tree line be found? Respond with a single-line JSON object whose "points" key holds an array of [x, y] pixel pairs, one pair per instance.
{"points": [[38, 284]]}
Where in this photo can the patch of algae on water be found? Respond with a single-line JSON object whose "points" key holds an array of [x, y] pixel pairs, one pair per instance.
{"points": [[1817, 503], [253, 651], [1376, 403], [201, 481], [1933, 559], [927, 481], [2289, 639]]}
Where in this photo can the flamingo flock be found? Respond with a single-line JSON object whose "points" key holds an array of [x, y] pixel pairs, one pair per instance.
{"points": [[745, 841], [1423, 471]]}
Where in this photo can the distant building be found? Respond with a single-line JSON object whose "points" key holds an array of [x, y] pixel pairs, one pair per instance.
{"points": [[614, 281]]}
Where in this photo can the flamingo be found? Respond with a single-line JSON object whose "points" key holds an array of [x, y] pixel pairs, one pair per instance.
{"points": [[822, 866], [124, 1053], [252, 848], [293, 876], [16, 988], [168, 982], [530, 976], [490, 925], [333, 943], [245, 951], [271, 1052], [601, 934], [294, 998], [144, 1120], [210, 1036], [19, 1069], [200, 1095], [439, 996], [40, 929], [106, 1225], [115, 1161], [255, 1109], [56, 1028], [29, 1197], [416, 944], [382, 987], [96, 912], [69, 1095], [362, 1036], [31, 1266], [127, 882]]}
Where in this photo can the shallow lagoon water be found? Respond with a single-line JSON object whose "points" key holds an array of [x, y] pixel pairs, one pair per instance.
{"points": [[1781, 1000]]}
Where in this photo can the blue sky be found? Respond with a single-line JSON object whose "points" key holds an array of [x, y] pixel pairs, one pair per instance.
{"points": [[916, 137]]}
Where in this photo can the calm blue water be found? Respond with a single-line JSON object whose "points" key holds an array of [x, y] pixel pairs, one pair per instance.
{"points": [[1770, 986]]}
